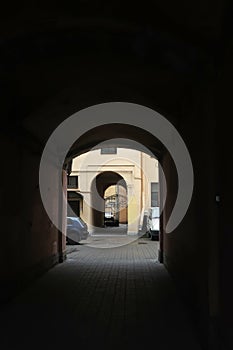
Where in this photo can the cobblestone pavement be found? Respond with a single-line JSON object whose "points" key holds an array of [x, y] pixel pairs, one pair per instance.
{"points": [[100, 298], [111, 240]]}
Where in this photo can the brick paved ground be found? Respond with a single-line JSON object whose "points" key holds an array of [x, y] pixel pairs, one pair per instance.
{"points": [[100, 298]]}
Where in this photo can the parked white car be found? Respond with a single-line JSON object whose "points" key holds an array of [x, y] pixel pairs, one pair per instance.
{"points": [[153, 223]]}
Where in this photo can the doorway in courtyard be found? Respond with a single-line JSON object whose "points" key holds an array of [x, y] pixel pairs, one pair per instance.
{"points": [[109, 203]]}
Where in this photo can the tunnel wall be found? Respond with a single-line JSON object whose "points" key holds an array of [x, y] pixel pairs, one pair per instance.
{"points": [[224, 111], [191, 251], [29, 241]]}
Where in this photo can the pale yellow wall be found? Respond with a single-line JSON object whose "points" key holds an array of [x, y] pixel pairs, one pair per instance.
{"points": [[151, 174], [137, 169]]}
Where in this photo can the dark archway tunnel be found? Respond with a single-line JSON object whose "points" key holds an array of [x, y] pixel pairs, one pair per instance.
{"points": [[170, 57]]}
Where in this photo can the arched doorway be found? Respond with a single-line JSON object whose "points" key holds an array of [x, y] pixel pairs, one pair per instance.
{"points": [[109, 200]]}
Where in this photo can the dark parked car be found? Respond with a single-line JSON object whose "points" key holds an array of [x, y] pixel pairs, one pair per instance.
{"points": [[77, 230], [110, 220]]}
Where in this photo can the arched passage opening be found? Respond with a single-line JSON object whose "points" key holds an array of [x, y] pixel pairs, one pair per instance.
{"points": [[140, 140], [105, 199]]}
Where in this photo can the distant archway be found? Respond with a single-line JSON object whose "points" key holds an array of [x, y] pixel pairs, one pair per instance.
{"points": [[98, 187]]}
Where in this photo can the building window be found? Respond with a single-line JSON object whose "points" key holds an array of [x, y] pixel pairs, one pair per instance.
{"points": [[154, 194], [109, 150], [72, 181]]}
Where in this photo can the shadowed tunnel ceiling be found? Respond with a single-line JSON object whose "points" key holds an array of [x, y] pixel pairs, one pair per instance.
{"points": [[112, 132], [95, 49]]}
